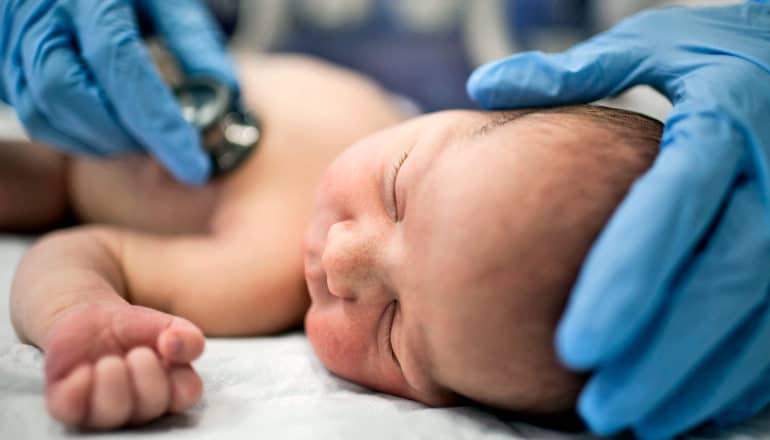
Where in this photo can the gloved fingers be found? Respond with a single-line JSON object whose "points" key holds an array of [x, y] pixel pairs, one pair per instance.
{"points": [[112, 48], [193, 35], [649, 238], [750, 403], [732, 381], [38, 127], [696, 333], [602, 66], [18, 93], [676, 416], [59, 84]]}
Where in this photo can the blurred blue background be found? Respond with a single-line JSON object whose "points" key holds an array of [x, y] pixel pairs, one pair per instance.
{"points": [[422, 50]]}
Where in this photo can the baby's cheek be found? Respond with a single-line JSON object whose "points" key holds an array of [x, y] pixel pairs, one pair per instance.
{"points": [[328, 342], [344, 347]]}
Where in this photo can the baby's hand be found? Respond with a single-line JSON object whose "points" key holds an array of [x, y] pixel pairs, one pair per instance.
{"points": [[110, 365]]}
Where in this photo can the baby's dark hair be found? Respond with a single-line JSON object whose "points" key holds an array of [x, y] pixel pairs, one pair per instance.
{"points": [[583, 181], [641, 133]]}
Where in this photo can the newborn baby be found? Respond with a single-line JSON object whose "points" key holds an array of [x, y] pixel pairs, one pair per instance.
{"points": [[438, 257]]}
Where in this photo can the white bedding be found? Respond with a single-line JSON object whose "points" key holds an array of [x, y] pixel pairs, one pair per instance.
{"points": [[261, 388]]}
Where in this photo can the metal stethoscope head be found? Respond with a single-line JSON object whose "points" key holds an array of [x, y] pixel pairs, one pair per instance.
{"points": [[229, 134]]}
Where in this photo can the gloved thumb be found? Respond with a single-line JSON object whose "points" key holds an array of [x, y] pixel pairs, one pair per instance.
{"points": [[597, 68]]}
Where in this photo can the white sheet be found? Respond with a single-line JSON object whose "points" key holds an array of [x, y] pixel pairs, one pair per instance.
{"points": [[260, 388]]}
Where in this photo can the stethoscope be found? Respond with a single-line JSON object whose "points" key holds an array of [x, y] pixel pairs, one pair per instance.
{"points": [[229, 134]]}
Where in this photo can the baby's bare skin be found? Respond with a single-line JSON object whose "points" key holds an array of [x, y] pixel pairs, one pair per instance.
{"points": [[120, 306]]}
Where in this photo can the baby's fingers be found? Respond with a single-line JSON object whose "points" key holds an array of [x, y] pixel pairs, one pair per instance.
{"points": [[112, 397], [69, 398], [186, 388], [152, 389]]}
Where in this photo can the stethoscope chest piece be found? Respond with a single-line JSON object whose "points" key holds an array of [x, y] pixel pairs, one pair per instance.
{"points": [[229, 133]]}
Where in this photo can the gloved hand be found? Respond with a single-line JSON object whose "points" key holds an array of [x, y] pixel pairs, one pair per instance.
{"points": [[79, 77], [671, 310]]}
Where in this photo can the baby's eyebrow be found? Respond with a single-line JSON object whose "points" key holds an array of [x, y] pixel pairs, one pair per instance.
{"points": [[503, 118]]}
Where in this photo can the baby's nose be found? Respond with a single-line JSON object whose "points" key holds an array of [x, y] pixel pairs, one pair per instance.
{"points": [[349, 260]]}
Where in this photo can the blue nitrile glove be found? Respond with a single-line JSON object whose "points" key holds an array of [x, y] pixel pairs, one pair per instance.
{"points": [[79, 77], [671, 309]]}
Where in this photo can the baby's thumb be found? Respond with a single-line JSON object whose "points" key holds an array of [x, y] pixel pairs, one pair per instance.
{"points": [[176, 339], [181, 343]]}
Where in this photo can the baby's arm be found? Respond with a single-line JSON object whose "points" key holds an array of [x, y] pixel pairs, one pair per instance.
{"points": [[79, 295], [107, 362]]}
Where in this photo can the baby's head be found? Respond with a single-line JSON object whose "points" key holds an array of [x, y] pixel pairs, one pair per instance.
{"points": [[442, 251]]}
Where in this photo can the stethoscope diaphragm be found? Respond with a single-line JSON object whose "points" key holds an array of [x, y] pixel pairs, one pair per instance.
{"points": [[229, 134]]}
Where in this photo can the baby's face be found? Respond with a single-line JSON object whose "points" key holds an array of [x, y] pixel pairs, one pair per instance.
{"points": [[411, 261]]}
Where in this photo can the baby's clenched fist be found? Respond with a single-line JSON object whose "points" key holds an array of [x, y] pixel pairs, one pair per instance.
{"points": [[112, 365]]}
